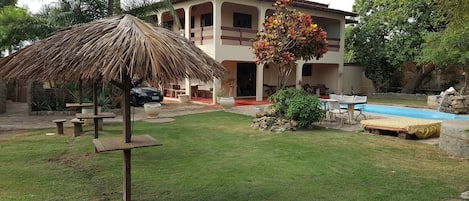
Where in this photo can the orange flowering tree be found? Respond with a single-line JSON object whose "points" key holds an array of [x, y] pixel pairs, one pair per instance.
{"points": [[288, 35]]}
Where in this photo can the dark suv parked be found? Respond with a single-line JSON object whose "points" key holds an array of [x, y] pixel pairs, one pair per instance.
{"points": [[142, 95]]}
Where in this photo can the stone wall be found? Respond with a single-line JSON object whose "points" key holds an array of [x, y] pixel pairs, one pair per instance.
{"points": [[454, 138], [398, 96]]}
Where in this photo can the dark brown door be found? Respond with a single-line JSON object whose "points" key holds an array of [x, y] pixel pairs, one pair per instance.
{"points": [[246, 79]]}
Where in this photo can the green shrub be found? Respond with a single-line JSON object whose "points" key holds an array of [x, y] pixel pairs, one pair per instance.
{"points": [[296, 104], [280, 97]]}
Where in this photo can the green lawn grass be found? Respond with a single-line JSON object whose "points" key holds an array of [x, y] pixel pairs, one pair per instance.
{"points": [[217, 156]]}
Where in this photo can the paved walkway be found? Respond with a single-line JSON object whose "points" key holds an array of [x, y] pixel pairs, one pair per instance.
{"points": [[17, 118]]}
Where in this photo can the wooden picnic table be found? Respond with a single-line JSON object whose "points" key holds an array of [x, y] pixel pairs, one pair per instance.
{"points": [[111, 144], [79, 105], [97, 119]]}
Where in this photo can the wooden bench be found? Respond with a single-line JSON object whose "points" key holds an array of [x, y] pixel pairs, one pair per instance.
{"points": [[397, 132], [99, 117], [403, 127], [77, 127], [60, 125]]}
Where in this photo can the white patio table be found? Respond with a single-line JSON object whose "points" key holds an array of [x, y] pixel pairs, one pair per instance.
{"points": [[351, 101]]}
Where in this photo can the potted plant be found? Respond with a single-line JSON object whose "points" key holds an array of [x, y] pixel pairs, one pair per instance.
{"points": [[220, 93], [152, 109], [227, 102]]}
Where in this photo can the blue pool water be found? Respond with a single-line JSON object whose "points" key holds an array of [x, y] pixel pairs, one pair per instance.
{"points": [[410, 112]]}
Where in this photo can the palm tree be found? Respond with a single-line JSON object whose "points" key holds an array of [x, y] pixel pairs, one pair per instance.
{"points": [[70, 12], [143, 9], [17, 26]]}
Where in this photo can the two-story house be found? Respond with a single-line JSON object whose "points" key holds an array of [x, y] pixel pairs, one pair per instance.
{"points": [[224, 29]]}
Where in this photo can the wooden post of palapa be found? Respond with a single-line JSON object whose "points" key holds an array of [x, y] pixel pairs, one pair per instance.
{"points": [[95, 108], [80, 91], [127, 135]]}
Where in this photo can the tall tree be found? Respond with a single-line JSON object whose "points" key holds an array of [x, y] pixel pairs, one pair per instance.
{"points": [[390, 34], [5, 3], [288, 35], [70, 12], [143, 9], [18, 26], [450, 47]]}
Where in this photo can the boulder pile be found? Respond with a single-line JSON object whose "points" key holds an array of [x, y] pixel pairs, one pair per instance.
{"points": [[268, 121], [451, 101]]}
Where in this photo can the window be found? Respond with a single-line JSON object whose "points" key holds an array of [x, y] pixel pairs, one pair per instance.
{"points": [[242, 20], [192, 25], [168, 25], [206, 20], [192, 22], [307, 70], [183, 23]]}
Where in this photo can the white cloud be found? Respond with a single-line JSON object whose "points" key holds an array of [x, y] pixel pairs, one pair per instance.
{"points": [[345, 5], [34, 5]]}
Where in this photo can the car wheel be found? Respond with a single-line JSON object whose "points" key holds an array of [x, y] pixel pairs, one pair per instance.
{"points": [[134, 101]]}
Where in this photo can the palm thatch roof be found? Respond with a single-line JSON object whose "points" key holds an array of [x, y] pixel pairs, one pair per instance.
{"points": [[107, 48]]}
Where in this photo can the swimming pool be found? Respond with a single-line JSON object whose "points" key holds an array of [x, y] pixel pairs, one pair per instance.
{"points": [[409, 112]]}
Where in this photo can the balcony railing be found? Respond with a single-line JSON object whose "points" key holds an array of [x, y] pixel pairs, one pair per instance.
{"points": [[202, 35], [333, 44], [239, 36]]}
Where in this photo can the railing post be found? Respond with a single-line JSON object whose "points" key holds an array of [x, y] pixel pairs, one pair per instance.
{"points": [[201, 35], [240, 36]]}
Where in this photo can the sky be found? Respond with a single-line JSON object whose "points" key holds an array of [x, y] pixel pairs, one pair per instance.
{"points": [[35, 5]]}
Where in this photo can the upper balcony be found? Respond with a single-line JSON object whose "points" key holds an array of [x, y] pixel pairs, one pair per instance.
{"points": [[239, 24]]}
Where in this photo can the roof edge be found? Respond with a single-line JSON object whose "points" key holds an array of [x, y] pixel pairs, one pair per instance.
{"points": [[304, 4]]}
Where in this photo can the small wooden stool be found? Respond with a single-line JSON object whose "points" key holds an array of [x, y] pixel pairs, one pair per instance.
{"points": [[60, 125], [77, 127]]}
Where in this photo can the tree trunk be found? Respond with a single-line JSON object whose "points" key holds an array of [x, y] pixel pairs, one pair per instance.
{"points": [[113, 7], [110, 7], [466, 80], [284, 72], [414, 83]]}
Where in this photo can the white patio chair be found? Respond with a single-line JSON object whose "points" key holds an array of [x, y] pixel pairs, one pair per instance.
{"points": [[335, 97], [360, 114], [333, 109], [347, 99]]}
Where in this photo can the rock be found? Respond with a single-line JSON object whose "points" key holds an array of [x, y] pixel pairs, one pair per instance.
{"points": [[465, 195], [274, 124], [261, 114], [277, 129], [294, 123], [453, 103], [255, 125], [454, 139]]}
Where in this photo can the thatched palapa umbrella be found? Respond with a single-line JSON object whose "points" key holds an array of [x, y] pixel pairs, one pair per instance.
{"points": [[113, 50]]}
